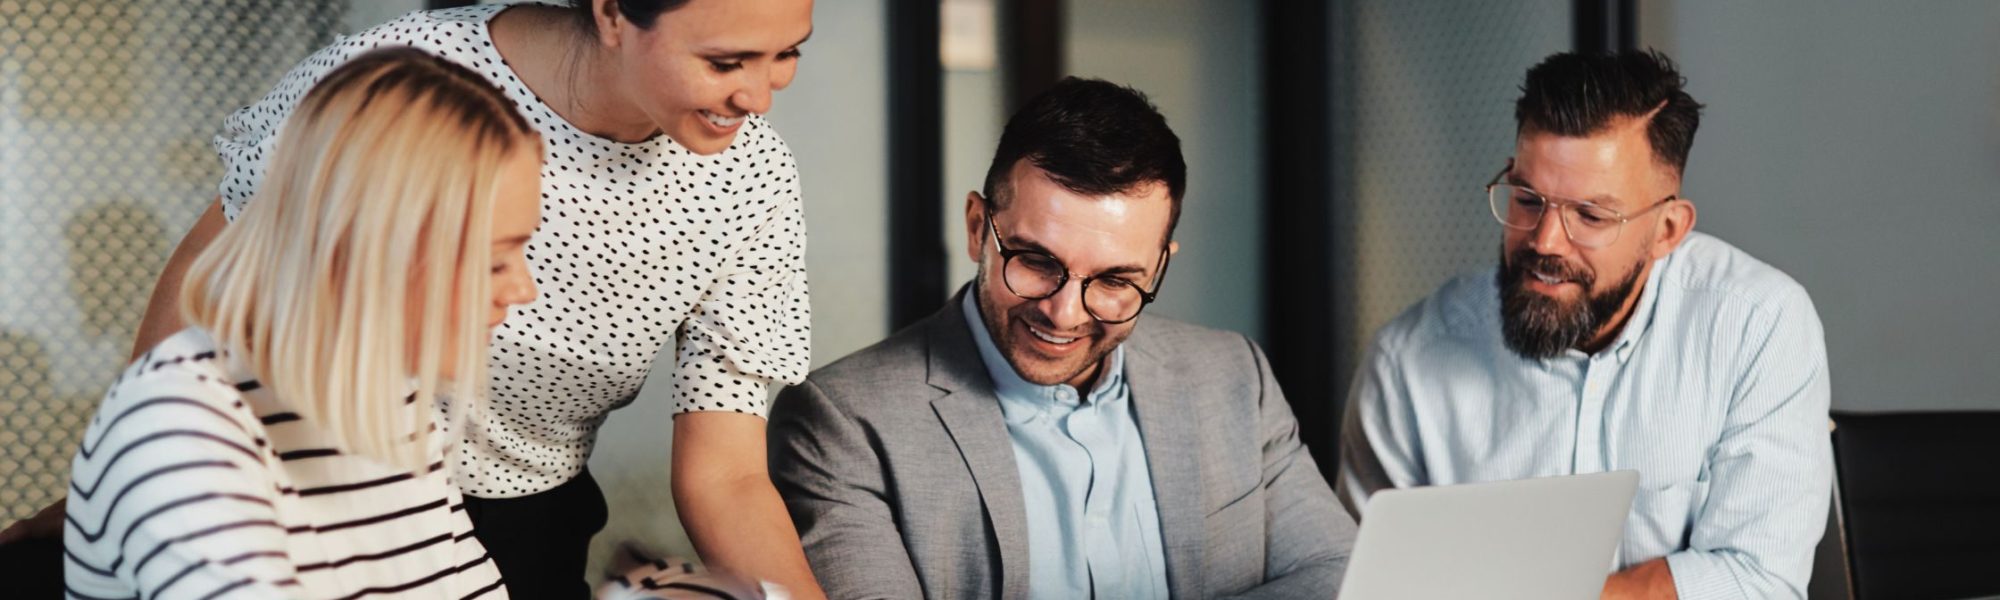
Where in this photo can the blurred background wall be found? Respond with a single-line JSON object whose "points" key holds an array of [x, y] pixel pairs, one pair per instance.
{"points": [[106, 112], [1856, 146]]}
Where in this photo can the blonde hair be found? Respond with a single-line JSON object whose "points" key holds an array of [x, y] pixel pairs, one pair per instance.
{"points": [[382, 184]]}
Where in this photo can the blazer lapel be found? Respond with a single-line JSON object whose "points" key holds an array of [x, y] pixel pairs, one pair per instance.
{"points": [[971, 413], [1166, 423]]}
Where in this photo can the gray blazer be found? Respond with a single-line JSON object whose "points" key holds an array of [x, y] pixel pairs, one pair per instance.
{"points": [[897, 469]]}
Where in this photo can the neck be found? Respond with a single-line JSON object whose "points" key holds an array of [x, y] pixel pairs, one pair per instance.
{"points": [[566, 67]]}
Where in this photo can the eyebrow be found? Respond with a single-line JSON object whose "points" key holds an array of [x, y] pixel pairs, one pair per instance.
{"points": [[512, 241], [1020, 243], [750, 54]]}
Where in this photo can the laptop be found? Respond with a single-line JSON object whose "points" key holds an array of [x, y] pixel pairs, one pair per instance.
{"points": [[1551, 538]]}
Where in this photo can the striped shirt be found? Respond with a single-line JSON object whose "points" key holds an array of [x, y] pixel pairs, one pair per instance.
{"points": [[1715, 392], [194, 482]]}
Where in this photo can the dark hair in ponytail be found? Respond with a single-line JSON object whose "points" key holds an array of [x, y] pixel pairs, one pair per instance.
{"points": [[640, 12]]}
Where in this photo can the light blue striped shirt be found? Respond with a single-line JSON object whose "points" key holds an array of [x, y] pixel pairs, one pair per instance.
{"points": [[1715, 391], [1093, 525]]}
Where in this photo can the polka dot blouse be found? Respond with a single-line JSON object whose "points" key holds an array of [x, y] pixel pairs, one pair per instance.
{"points": [[641, 246]]}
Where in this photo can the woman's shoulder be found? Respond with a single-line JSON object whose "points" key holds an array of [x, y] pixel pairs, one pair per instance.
{"points": [[249, 134], [186, 373], [410, 28], [477, 14], [458, 35]]}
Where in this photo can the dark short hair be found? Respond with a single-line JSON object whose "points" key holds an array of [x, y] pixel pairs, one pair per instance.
{"points": [[1092, 137], [1578, 95], [640, 12]]}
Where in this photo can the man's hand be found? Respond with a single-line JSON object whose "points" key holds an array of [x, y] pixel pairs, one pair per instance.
{"points": [[1650, 580], [44, 525]]}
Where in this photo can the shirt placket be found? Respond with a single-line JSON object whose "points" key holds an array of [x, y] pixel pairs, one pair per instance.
{"points": [[1597, 374], [1086, 426]]}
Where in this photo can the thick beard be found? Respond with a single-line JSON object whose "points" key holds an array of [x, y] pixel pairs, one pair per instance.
{"points": [[996, 328], [1538, 326]]}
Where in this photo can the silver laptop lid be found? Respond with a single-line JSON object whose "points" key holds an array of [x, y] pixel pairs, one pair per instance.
{"points": [[1550, 538]]}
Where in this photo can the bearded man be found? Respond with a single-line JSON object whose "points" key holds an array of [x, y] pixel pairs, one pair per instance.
{"points": [[1612, 336]]}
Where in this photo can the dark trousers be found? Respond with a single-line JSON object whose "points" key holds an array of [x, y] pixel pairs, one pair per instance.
{"points": [[541, 541], [32, 569]]}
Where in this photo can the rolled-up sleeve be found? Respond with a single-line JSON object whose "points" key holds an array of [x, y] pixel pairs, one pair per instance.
{"points": [[752, 326], [1771, 472]]}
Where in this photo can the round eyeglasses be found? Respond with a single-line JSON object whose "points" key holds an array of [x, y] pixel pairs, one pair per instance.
{"points": [[1585, 224], [1037, 275]]}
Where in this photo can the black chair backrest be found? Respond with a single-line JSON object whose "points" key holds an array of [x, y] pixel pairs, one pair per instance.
{"points": [[1920, 503]]}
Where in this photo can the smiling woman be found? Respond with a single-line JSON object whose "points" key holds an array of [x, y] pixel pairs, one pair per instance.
{"points": [[696, 70]]}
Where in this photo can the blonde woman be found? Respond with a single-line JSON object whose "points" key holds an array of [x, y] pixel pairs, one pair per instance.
{"points": [[284, 444]]}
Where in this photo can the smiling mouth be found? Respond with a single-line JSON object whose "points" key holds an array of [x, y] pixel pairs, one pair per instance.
{"points": [[1050, 338], [1547, 278], [722, 121]]}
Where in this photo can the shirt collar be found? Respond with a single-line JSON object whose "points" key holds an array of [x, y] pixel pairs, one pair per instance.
{"points": [[1022, 400]]}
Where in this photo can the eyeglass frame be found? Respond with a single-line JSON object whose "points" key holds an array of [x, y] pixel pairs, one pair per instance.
{"points": [[1560, 205], [1007, 256]]}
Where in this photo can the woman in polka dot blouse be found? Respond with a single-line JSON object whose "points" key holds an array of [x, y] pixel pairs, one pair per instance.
{"points": [[671, 217]]}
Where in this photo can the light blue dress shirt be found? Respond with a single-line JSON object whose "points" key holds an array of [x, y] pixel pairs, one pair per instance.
{"points": [[1715, 391], [1093, 526]]}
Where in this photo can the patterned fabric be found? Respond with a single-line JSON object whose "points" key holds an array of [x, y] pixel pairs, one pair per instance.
{"points": [[640, 574], [641, 245], [195, 482], [1715, 392]]}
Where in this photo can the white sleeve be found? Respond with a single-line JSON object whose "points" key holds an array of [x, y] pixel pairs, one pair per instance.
{"points": [[752, 326], [170, 497], [1771, 472]]}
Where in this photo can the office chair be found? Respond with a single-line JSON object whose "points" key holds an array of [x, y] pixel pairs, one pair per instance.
{"points": [[1919, 500]]}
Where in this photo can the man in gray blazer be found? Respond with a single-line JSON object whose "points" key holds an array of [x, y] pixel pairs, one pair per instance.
{"points": [[1036, 438]]}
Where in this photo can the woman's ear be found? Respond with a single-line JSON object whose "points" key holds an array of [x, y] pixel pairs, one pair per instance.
{"points": [[610, 23]]}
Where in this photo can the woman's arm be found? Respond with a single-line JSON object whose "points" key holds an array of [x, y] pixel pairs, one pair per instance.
{"points": [[722, 488], [163, 310]]}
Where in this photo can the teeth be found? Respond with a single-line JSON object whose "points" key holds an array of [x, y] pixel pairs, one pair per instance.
{"points": [[1546, 278], [721, 121], [1050, 338]]}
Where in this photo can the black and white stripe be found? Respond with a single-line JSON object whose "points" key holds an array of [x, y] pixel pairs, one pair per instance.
{"points": [[194, 482]]}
